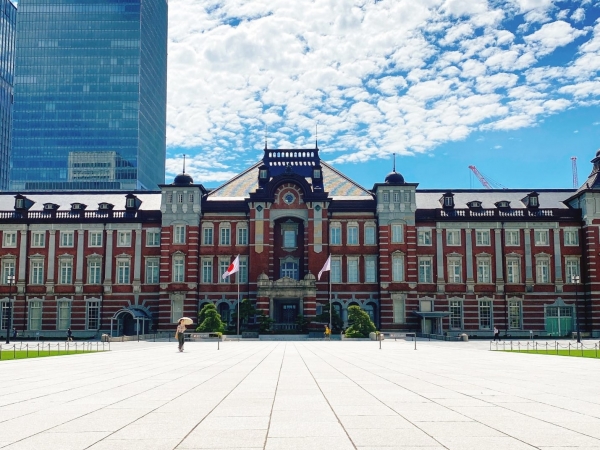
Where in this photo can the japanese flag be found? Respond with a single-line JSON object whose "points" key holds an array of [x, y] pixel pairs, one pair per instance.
{"points": [[233, 267], [325, 268]]}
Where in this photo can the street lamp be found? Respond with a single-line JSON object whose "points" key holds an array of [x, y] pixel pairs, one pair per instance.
{"points": [[575, 279], [11, 280]]}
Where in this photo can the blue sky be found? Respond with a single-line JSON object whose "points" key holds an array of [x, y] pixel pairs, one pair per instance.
{"points": [[510, 86]]}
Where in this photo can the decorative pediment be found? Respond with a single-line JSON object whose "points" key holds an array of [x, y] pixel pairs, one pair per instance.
{"points": [[514, 255], [37, 256], [94, 256], [542, 255], [483, 255], [454, 255]]}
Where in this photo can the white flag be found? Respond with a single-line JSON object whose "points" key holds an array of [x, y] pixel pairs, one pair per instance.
{"points": [[325, 268], [233, 267]]}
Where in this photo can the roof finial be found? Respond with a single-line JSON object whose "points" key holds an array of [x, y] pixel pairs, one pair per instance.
{"points": [[184, 163], [394, 169], [265, 135], [317, 136]]}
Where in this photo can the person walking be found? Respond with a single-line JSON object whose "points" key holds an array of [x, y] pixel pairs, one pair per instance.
{"points": [[180, 334], [327, 332], [69, 334], [496, 334]]}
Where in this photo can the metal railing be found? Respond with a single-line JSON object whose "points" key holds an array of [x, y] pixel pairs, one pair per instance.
{"points": [[47, 349], [549, 348]]}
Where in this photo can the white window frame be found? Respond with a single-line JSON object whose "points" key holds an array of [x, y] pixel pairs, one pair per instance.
{"points": [[242, 234], [336, 269], [223, 265], [370, 235], [8, 269], [207, 270], [513, 270], [92, 321], [542, 269], [352, 234], [208, 235], [485, 321], [571, 237], [36, 271], [152, 271], [65, 271], [335, 234], [63, 314], [399, 308], [152, 238], [9, 239], [572, 268], [123, 271], [67, 239], [454, 266], [225, 234], [178, 268], [370, 269], [425, 269], [456, 309], [242, 273], [397, 267], [424, 237], [541, 237], [124, 238], [352, 267], [177, 307], [515, 321], [397, 233], [483, 238], [512, 238], [452, 238], [179, 234], [484, 269], [95, 239], [38, 239], [94, 265], [35, 314]]}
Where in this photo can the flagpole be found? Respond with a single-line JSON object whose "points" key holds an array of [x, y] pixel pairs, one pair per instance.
{"points": [[330, 309], [238, 297]]}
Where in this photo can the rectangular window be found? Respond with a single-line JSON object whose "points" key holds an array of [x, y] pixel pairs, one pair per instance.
{"points": [[336, 270], [386, 197], [38, 239], [10, 239], [242, 236], [397, 233], [485, 314], [178, 268], [452, 237], [541, 237], [571, 269], [482, 237], [123, 271], [425, 270], [352, 235], [176, 309], [396, 197], [179, 197], [95, 239], [179, 237], [243, 272], [207, 269], [424, 237], [35, 315], [397, 267], [152, 271], [93, 315], [369, 235], [454, 270], [66, 272], [399, 308], [484, 272], [407, 197], [512, 237], [456, 314], [124, 239], [571, 237], [542, 269], [207, 236], [5, 309], [336, 235], [64, 315], [37, 272], [513, 270], [152, 238], [289, 238], [66, 238], [225, 236], [8, 270], [223, 265], [370, 269], [352, 270], [94, 271], [515, 315]]}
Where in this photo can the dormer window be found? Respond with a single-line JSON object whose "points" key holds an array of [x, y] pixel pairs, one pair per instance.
{"points": [[447, 200], [503, 204], [130, 203], [20, 203], [263, 174], [50, 207], [105, 206], [532, 200], [474, 204], [78, 206], [316, 173]]}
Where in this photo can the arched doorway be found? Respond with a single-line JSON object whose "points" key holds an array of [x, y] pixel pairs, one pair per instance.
{"points": [[130, 321], [224, 312]]}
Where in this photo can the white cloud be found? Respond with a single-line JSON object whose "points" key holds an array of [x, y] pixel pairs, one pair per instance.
{"points": [[378, 77]]}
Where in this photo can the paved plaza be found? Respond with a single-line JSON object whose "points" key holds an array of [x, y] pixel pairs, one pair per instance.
{"points": [[300, 395]]}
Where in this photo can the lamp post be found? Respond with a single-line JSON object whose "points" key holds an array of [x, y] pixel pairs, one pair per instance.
{"points": [[11, 280], [575, 279]]}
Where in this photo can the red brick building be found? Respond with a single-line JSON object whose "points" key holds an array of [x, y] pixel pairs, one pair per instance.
{"points": [[433, 261]]}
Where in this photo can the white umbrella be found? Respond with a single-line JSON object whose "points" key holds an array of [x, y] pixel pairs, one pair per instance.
{"points": [[186, 321]]}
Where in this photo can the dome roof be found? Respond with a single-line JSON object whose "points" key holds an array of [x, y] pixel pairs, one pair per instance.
{"points": [[183, 179], [394, 177], [263, 276]]}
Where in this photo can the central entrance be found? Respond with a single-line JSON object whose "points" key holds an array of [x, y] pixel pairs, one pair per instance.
{"points": [[286, 313]]}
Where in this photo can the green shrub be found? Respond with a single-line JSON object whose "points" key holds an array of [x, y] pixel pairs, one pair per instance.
{"points": [[202, 314], [360, 323], [212, 322]]}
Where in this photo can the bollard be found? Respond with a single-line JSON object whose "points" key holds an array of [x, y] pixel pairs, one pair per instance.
{"points": [[511, 349], [14, 351], [27, 350], [415, 338], [569, 349]]}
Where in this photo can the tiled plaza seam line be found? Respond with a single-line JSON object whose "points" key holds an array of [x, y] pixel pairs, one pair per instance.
{"points": [[74, 374], [223, 399], [130, 397], [274, 397], [494, 404], [327, 400], [466, 395], [136, 368]]}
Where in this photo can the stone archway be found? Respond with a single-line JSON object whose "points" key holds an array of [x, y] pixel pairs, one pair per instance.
{"points": [[130, 321]]}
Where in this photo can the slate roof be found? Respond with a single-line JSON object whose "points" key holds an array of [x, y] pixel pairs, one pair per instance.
{"points": [[548, 198], [150, 200], [335, 183]]}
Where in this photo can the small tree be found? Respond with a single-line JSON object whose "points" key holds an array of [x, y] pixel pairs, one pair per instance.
{"points": [[360, 323], [212, 322], [202, 314]]}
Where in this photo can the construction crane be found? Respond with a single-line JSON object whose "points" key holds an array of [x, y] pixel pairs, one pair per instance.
{"points": [[487, 182], [574, 169]]}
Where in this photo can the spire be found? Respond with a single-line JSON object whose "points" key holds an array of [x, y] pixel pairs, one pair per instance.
{"points": [[265, 135], [394, 169], [317, 136], [183, 163]]}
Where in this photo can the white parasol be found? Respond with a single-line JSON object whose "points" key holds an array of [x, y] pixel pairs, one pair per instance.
{"points": [[186, 321]]}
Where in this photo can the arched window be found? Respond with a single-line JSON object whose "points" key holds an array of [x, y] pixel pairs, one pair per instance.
{"points": [[224, 312]]}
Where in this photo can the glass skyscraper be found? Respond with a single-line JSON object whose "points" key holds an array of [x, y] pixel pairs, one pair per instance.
{"points": [[8, 21], [90, 95]]}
